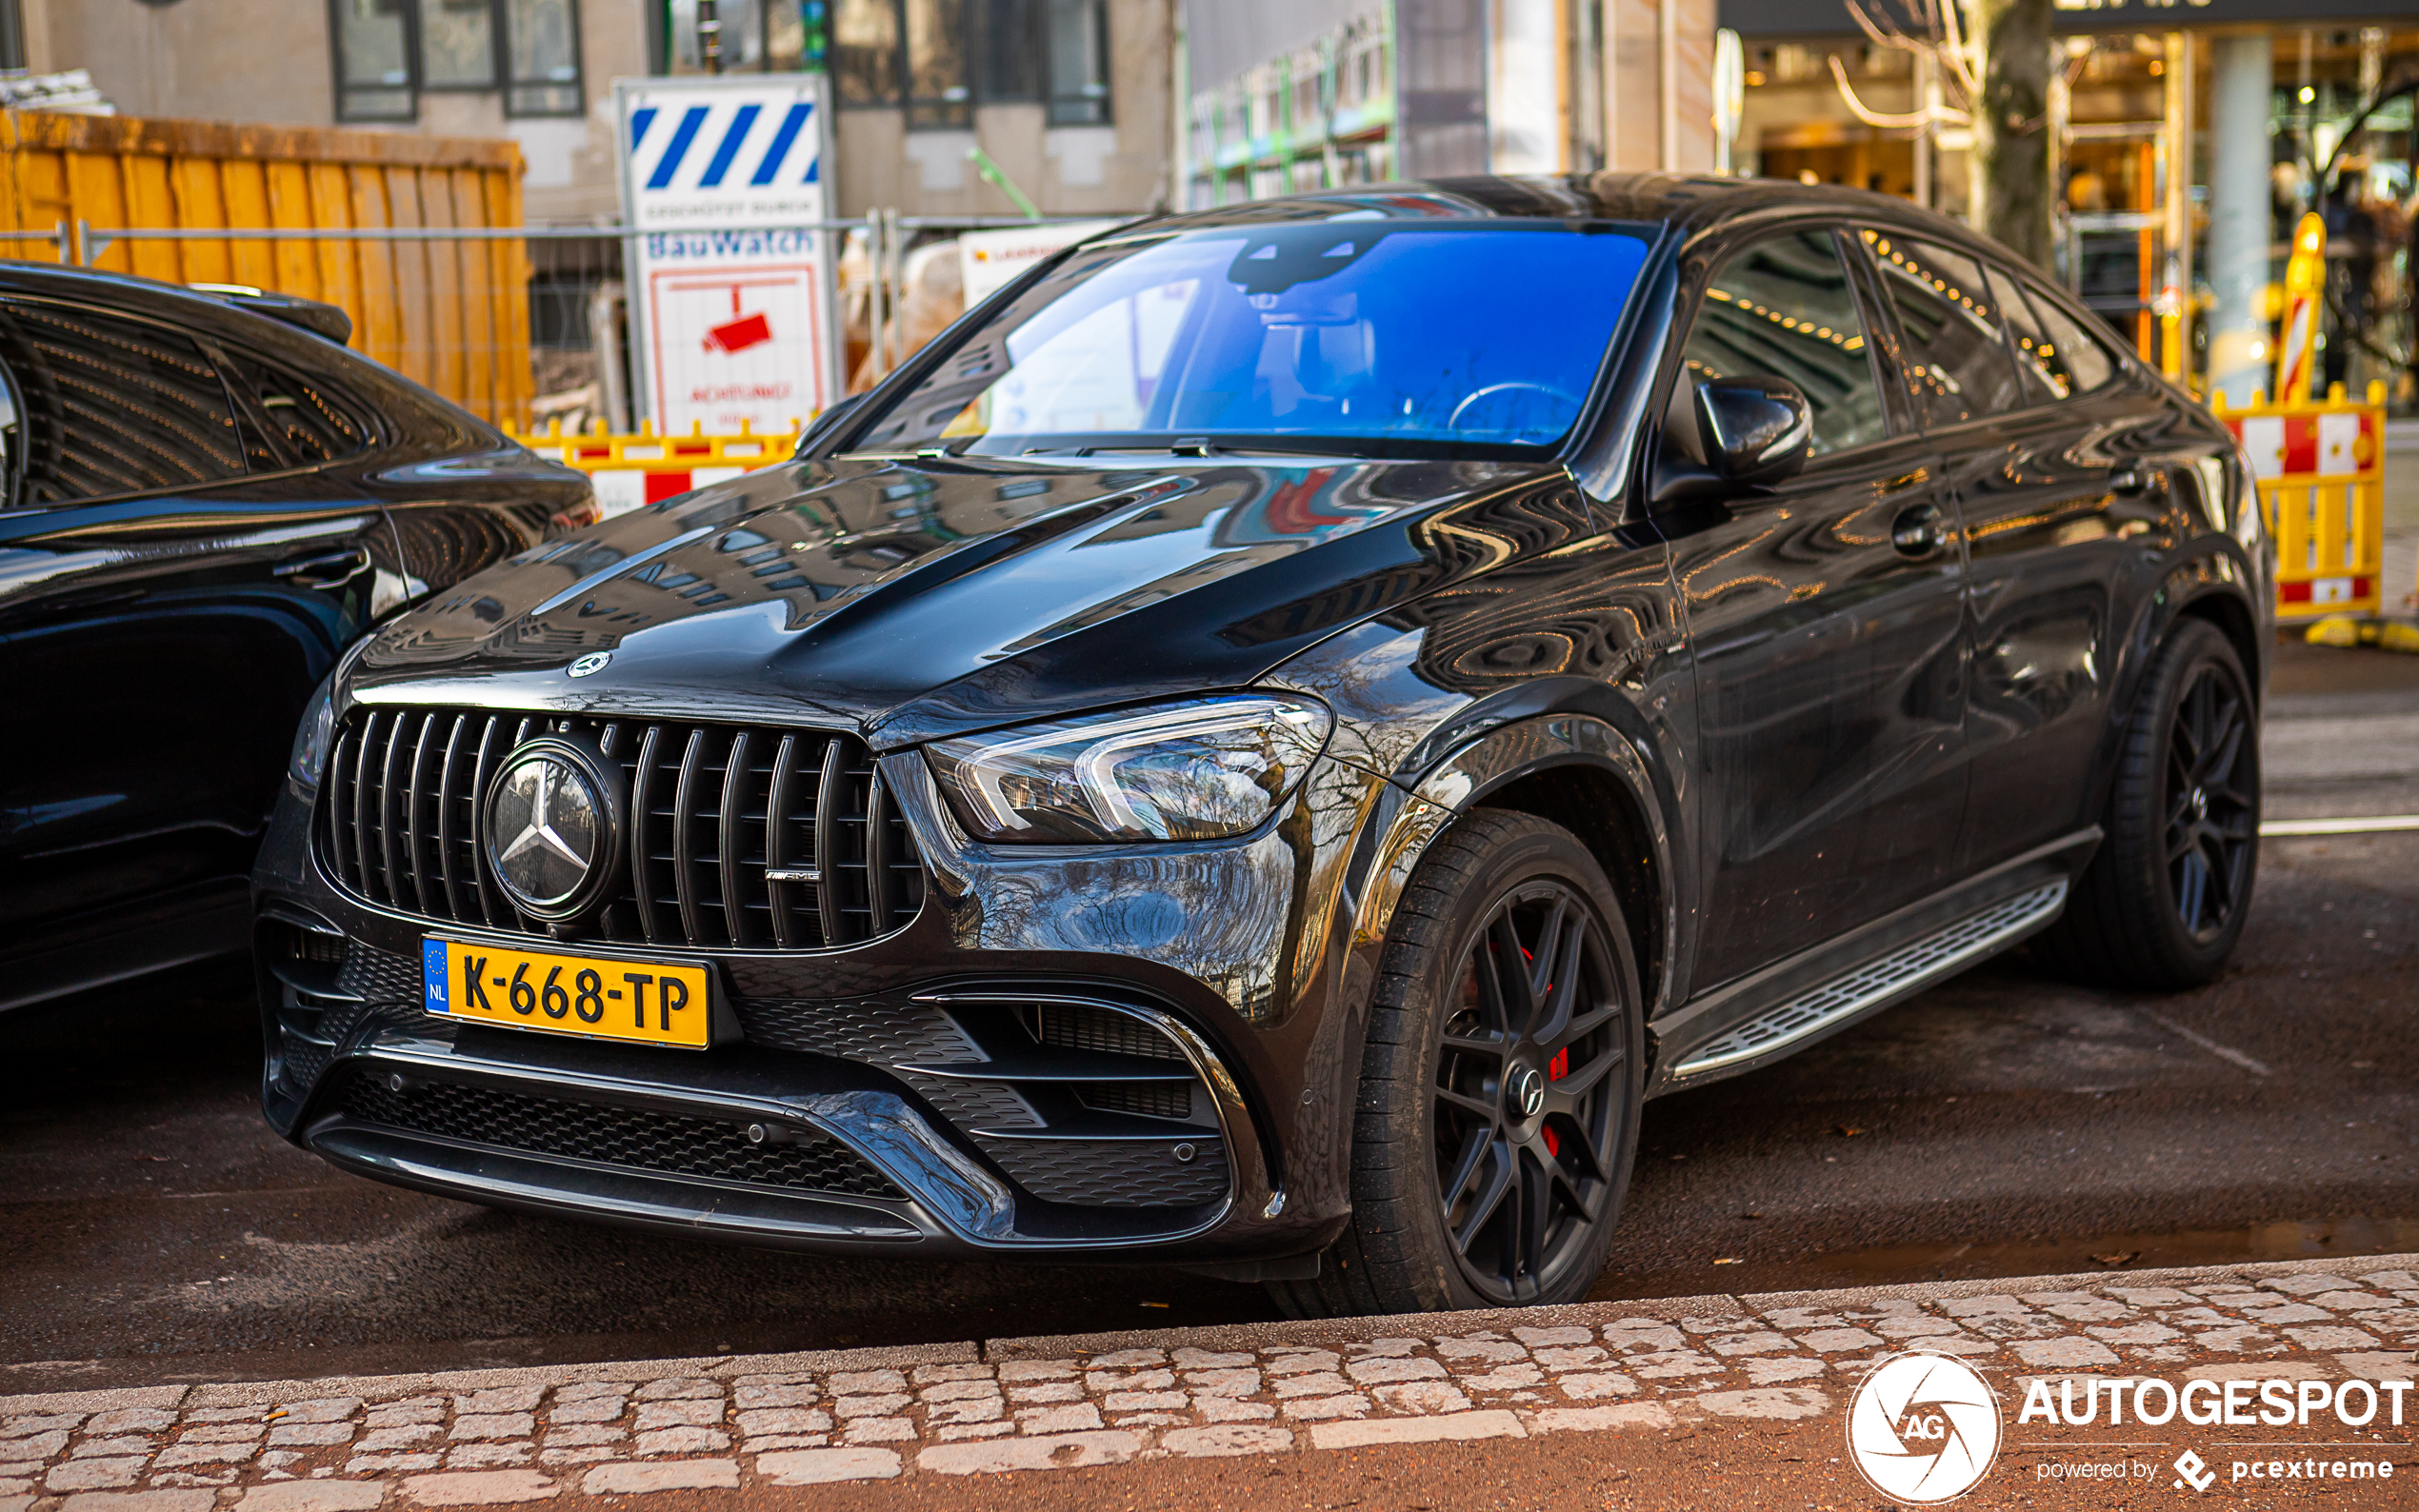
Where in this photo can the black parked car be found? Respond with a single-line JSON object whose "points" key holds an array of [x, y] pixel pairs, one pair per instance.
{"points": [[1263, 746], [204, 498]]}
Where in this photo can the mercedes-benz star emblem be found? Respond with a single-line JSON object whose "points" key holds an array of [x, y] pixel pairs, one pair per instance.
{"points": [[544, 826], [1528, 1091], [592, 661]]}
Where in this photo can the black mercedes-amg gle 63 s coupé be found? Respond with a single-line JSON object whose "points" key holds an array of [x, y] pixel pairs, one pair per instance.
{"points": [[1262, 746]]}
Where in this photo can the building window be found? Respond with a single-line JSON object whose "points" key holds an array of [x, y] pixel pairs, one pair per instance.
{"points": [[1078, 62], [864, 50], [543, 48], [389, 50], [941, 58], [758, 36], [940, 91], [373, 61], [457, 44], [1011, 49]]}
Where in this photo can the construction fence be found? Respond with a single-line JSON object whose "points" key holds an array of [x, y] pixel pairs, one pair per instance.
{"points": [[2321, 470], [420, 240]]}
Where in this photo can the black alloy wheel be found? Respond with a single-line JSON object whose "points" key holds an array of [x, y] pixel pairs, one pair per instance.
{"points": [[1497, 1116], [2211, 804], [2163, 900], [1526, 1103]]}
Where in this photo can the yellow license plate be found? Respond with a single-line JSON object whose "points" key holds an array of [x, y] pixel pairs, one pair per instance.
{"points": [[647, 1001]]}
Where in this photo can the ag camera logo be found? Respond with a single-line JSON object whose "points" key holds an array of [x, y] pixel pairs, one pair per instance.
{"points": [[1923, 1428]]}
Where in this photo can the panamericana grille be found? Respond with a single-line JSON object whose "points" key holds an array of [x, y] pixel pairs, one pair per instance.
{"points": [[616, 1136], [712, 809]]}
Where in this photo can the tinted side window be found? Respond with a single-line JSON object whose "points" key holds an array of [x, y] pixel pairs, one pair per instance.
{"points": [[1784, 307], [2072, 349], [114, 406], [303, 422], [1955, 356], [2043, 377]]}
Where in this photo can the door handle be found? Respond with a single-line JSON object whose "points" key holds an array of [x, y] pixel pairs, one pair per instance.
{"points": [[2129, 481], [327, 571], [1916, 531]]}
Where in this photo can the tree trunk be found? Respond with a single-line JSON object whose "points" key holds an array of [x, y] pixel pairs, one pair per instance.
{"points": [[2010, 122]]}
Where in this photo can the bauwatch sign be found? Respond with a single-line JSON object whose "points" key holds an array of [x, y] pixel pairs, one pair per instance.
{"points": [[727, 190], [1923, 1428]]}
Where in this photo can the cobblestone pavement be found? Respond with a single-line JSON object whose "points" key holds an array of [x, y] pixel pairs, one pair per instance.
{"points": [[741, 1422]]}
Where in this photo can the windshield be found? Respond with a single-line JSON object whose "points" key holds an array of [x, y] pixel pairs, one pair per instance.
{"points": [[1357, 331]]}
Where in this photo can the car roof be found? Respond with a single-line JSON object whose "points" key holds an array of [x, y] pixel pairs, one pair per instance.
{"points": [[1685, 202], [211, 312]]}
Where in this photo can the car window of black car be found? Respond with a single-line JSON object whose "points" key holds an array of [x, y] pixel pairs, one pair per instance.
{"points": [[2070, 349], [1952, 351], [113, 406], [12, 440], [2042, 374], [1784, 307], [299, 422]]}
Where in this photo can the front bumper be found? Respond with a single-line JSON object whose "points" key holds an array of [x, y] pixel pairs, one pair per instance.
{"points": [[1129, 1053]]}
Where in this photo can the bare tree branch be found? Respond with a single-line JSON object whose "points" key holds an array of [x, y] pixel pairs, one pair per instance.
{"points": [[1884, 119]]}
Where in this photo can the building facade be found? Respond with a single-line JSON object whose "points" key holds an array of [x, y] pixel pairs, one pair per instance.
{"points": [[2187, 139], [1069, 99], [1284, 95]]}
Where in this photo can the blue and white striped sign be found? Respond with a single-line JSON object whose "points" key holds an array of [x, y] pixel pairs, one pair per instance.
{"points": [[731, 147], [724, 182]]}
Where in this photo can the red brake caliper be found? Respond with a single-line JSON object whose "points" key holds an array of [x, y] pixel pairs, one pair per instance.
{"points": [[1556, 1070]]}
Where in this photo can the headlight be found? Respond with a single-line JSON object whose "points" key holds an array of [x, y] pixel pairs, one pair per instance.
{"points": [[318, 731], [1198, 770]]}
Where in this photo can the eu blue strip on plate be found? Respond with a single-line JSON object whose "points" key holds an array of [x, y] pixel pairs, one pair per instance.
{"points": [[433, 975]]}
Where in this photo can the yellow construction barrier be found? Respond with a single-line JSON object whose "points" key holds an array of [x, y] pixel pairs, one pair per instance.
{"points": [[452, 314], [2321, 468], [630, 470]]}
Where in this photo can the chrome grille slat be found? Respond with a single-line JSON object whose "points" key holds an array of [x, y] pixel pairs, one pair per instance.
{"points": [[414, 797], [387, 809], [827, 842], [641, 796], [684, 853], [735, 789], [447, 799], [712, 810], [784, 765], [491, 906]]}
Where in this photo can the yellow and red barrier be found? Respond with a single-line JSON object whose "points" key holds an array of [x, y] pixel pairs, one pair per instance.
{"points": [[631, 470], [2321, 470]]}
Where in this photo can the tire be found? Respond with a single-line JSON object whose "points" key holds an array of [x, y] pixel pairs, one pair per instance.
{"points": [[1479, 1113], [2163, 902]]}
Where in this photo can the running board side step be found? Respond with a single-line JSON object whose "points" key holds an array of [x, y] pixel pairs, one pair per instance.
{"points": [[1904, 970]]}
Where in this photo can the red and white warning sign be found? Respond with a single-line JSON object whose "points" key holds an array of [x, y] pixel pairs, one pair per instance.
{"points": [[722, 183], [732, 346]]}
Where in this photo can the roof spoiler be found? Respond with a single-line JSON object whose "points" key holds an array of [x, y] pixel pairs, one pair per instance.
{"points": [[311, 314]]}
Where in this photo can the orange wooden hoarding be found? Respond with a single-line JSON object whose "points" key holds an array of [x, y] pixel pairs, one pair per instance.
{"points": [[450, 314]]}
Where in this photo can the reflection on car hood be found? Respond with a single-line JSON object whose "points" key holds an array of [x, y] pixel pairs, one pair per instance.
{"points": [[914, 598]]}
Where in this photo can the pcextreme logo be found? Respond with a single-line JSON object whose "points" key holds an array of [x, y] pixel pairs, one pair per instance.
{"points": [[1923, 1428]]}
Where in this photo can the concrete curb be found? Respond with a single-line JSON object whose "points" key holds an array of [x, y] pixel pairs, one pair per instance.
{"points": [[726, 1423]]}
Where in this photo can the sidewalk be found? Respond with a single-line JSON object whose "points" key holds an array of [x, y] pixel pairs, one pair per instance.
{"points": [[1639, 1402]]}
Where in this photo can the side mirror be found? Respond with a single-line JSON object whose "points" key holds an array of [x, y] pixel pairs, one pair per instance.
{"points": [[1756, 429], [1750, 432]]}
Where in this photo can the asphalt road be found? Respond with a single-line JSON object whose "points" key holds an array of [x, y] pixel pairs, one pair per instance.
{"points": [[152, 1230]]}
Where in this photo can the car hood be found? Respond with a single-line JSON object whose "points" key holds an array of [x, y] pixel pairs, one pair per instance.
{"points": [[912, 597]]}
